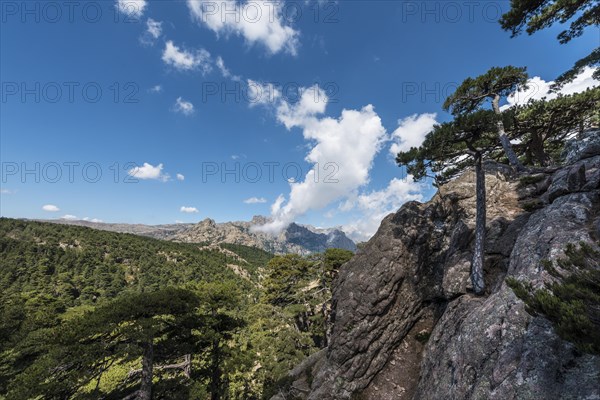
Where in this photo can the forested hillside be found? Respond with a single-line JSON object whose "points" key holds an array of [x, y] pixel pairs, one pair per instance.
{"points": [[95, 314]]}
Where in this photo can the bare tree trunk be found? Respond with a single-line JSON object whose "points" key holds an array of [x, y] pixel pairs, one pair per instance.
{"points": [[504, 140], [478, 252], [145, 392]]}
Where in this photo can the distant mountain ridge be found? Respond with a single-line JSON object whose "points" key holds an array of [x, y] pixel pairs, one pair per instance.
{"points": [[296, 238]]}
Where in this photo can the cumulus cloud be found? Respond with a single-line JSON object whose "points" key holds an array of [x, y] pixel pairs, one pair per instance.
{"points": [[539, 88], [69, 217], [342, 153], [180, 177], [148, 172], [376, 205], [132, 8], [186, 60], [255, 200], [225, 71], [183, 106], [411, 132], [188, 210], [50, 208], [155, 89], [256, 22]]}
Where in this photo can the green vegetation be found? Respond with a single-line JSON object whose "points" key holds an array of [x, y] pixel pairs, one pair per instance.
{"points": [[494, 85], [543, 126], [572, 303], [87, 314], [535, 15]]}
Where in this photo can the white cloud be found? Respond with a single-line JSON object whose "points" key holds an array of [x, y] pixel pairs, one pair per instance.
{"points": [[255, 200], [132, 8], [186, 60], [225, 71], [376, 205], [69, 217], [411, 132], [342, 153], [96, 220], [148, 171], [153, 31], [7, 191], [180, 177], [50, 208], [154, 28], [539, 88], [188, 210], [312, 102], [255, 21], [155, 89], [184, 107]]}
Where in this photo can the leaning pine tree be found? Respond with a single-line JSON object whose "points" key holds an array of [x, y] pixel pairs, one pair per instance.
{"points": [[447, 151], [493, 85]]}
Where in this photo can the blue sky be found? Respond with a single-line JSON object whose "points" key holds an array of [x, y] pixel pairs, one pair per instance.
{"points": [[162, 67]]}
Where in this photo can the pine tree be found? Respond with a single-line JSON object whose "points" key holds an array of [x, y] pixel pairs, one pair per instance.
{"points": [[544, 126], [536, 15], [493, 85], [447, 151]]}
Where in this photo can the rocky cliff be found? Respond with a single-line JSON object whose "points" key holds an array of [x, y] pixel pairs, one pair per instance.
{"points": [[406, 325]]}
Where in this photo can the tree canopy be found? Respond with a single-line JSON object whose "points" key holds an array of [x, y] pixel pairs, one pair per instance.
{"points": [[493, 85], [543, 126], [447, 150], [535, 15], [496, 83], [94, 314]]}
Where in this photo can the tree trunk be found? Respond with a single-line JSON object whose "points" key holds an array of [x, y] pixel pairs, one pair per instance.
{"points": [[537, 148], [504, 140], [215, 374], [478, 252], [145, 392], [187, 370]]}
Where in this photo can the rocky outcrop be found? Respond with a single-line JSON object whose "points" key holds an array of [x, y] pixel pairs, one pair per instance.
{"points": [[406, 325], [295, 238], [317, 241]]}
